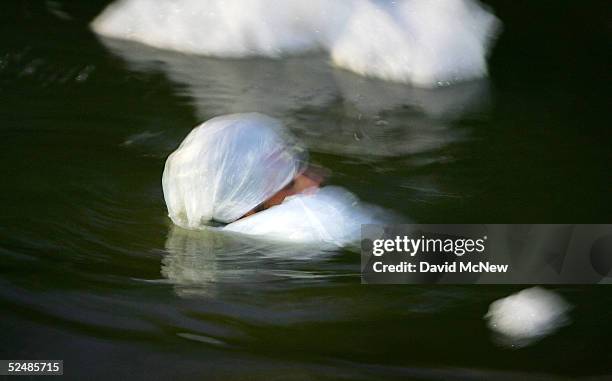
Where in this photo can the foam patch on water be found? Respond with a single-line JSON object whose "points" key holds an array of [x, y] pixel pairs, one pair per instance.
{"points": [[424, 42], [223, 28], [527, 316]]}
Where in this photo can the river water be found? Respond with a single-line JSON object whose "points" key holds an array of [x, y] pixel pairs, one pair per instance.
{"points": [[92, 272]]}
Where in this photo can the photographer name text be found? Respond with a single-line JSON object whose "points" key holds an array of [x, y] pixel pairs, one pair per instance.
{"points": [[425, 267]]}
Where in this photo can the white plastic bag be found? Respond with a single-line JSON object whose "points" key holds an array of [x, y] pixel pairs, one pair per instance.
{"points": [[226, 167]]}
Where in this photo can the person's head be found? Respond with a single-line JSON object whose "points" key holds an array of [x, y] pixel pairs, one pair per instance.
{"points": [[310, 178], [229, 166]]}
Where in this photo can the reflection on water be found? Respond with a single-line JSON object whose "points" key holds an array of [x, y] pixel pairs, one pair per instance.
{"points": [[371, 118], [197, 261], [191, 260]]}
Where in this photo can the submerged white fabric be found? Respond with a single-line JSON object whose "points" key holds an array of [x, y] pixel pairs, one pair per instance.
{"points": [[226, 167], [330, 215], [425, 42]]}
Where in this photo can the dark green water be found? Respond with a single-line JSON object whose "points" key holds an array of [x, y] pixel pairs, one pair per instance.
{"points": [[93, 273]]}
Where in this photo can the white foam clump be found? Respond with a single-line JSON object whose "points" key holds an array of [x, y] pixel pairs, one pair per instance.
{"points": [[425, 42], [329, 215], [527, 316], [225, 28]]}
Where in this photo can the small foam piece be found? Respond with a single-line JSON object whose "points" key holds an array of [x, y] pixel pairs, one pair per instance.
{"points": [[330, 215], [527, 316], [424, 42]]}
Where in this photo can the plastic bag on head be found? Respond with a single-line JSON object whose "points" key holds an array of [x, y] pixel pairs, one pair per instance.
{"points": [[226, 167]]}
